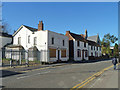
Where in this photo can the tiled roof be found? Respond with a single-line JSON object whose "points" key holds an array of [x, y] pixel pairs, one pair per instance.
{"points": [[31, 28], [78, 37], [92, 43], [82, 35]]}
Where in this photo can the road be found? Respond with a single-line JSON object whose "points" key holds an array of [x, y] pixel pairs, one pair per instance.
{"points": [[66, 76]]}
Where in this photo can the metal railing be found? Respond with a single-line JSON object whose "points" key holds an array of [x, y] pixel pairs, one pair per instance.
{"points": [[22, 57]]}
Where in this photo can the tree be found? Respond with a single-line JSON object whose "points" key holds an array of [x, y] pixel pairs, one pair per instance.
{"points": [[116, 50], [4, 27], [106, 43]]}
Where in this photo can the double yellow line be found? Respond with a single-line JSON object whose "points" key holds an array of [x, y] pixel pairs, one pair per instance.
{"points": [[80, 85]]}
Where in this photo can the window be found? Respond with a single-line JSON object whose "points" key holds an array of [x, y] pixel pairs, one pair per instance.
{"points": [[97, 48], [91, 47], [78, 43], [63, 43], [52, 53], [94, 47], [29, 39], [19, 40], [91, 54], [52, 40], [63, 53], [86, 54], [35, 40], [78, 53], [84, 44]]}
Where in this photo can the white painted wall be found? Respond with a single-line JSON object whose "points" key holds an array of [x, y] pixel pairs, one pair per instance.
{"points": [[58, 44], [81, 47], [43, 42], [93, 51]]}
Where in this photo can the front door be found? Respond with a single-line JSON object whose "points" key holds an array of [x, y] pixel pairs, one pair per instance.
{"points": [[82, 54], [58, 54]]}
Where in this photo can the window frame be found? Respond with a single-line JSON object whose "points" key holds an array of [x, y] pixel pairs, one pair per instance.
{"points": [[29, 39], [19, 40], [35, 40], [52, 40]]}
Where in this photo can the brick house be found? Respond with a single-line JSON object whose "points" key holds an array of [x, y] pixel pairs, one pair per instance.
{"points": [[78, 47]]}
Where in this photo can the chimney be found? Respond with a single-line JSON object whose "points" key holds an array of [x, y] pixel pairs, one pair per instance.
{"points": [[40, 26], [67, 32], [86, 35]]}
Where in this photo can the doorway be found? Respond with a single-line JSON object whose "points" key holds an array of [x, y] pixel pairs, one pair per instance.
{"points": [[58, 54]]}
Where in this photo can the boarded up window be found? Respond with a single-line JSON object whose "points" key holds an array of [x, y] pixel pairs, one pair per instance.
{"points": [[63, 53], [52, 53]]}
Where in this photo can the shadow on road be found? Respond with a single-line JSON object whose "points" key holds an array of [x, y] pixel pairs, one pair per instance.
{"points": [[6, 73]]}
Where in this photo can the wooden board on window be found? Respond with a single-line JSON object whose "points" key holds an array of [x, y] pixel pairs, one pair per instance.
{"points": [[63, 53], [52, 53]]}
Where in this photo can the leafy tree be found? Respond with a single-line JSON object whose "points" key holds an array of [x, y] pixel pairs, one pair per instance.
{"points": [[106, 42], [116, 50]]}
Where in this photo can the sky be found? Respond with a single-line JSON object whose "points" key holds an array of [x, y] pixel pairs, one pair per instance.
{"points": [[97, 17]]}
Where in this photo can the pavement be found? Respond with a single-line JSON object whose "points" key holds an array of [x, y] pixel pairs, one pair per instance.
{"points": [[108, 79]]}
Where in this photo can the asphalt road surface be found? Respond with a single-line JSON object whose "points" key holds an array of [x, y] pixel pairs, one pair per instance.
{"points": [[66, 76]]}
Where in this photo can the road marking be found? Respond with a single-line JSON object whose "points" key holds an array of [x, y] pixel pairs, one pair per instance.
{"points": [[33, 75], [80, 85]]}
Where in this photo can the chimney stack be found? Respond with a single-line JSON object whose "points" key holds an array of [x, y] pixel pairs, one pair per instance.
{"points": [[67, 32], [40, 26], [86, 34]]}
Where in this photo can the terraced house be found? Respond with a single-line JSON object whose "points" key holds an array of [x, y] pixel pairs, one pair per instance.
{"points": [[43, 45], [82, 47]]}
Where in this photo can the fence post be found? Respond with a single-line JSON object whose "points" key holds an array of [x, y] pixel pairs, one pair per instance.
{"points": [[20, 57], [11, 59], [27, 63]]}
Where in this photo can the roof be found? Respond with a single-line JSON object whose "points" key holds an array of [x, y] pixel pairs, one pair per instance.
{"points": [[78, 37], [93, 43], [14, 46], [28, 27], [93, 38], [82, 35], [5, 34], [31, 28]]}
